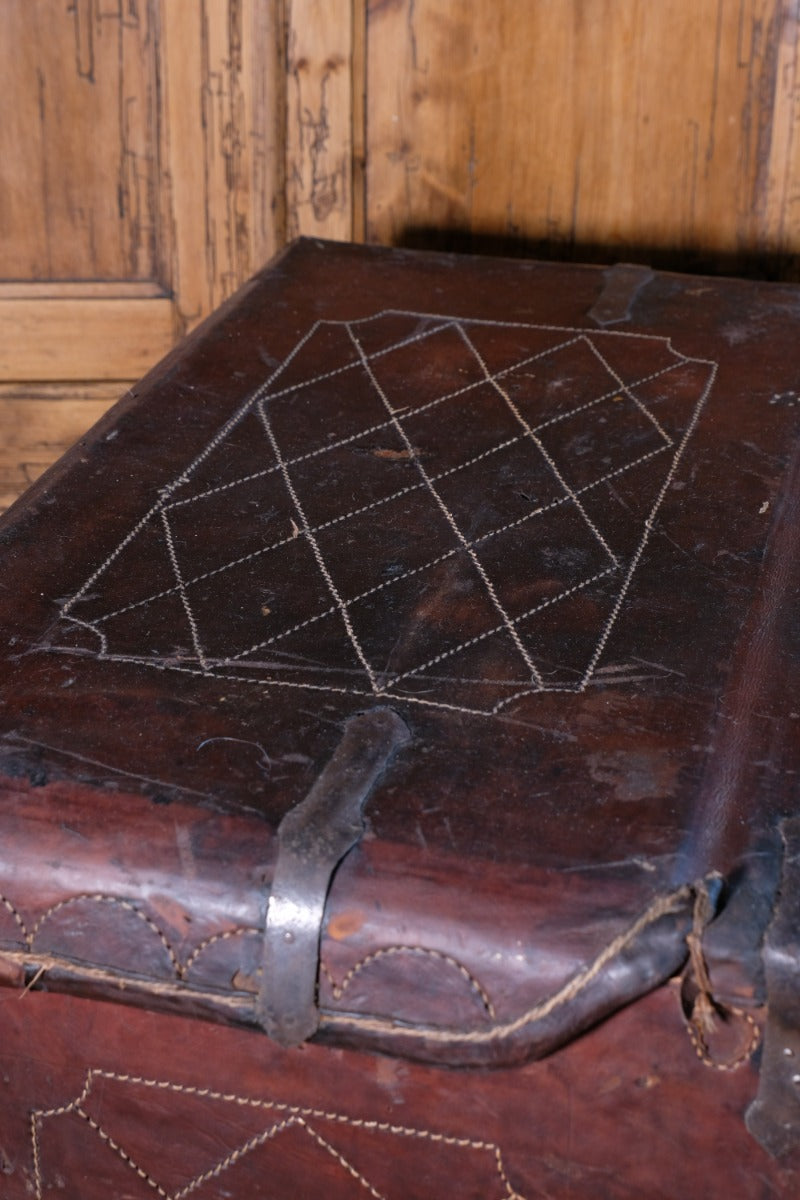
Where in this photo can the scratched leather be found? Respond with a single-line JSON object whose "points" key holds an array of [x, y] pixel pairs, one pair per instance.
{"points": [[378, 477], [179, 1098]]}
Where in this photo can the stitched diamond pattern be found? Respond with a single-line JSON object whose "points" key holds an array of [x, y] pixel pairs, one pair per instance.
{"points": [[501, 485]]}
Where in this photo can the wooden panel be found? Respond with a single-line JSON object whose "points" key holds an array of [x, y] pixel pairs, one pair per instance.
{"points": [[601, 123], [38, 423], [83, 338], [78, 170], [146, 145], [142, 139], [358, 72], [780, 199], [319, 118], [96, 289], [221, 139]]}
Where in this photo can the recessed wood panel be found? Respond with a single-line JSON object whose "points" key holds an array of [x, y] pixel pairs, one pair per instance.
{"points": [[78, 166], [39, 422], [319, 127], [221, 147], [155, 153], [144, 148], [77, 336]]}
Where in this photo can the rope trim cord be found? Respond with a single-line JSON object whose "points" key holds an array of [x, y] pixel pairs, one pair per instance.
{"points": [[241, 1004], [662, 906], [706, 1012]]}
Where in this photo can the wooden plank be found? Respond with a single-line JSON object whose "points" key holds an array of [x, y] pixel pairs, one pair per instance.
{"points": [[38, 423], [78, 169], [779, 193], [358, 71], [83, 339], [221, 214], [319, 118], [119, 289], [614, 127]]}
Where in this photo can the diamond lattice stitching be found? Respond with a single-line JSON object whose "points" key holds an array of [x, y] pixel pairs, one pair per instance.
{"points": [[503, 483]]}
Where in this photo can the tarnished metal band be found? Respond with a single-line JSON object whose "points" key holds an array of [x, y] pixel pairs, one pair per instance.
{"points": [[312, 840]]}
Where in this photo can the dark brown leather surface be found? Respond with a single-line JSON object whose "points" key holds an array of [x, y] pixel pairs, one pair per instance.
{"points": [[774, 1116], [98, 1101], [564, 553], [452, 952]]}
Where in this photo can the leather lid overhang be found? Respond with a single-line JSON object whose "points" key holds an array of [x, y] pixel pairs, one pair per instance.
{"points": [[503, 854], [143, 937]]}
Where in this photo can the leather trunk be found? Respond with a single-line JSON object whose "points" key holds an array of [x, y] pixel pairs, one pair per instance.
{"points": [[399, 748]]}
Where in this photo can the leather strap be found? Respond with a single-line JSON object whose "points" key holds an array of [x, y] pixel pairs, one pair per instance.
{"points": [[313, 838], [622, 284]]}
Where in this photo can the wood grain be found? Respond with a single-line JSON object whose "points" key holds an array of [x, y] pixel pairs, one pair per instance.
{"points": [[319, 119], [220, 148], [779, 200], [78, 168], [609, 127], [59, 338], [38, 423], [144, 149], [95, 289]]}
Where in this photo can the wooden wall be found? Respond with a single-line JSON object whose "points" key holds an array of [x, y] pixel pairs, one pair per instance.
{"points": [[153, 153], [662, 128]]}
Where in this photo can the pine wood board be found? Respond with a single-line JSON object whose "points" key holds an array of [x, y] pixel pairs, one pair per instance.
{"points": [[220, 148], [83, 338], [615, 125], [319, 118], [142, 145], [78, 144], [39, 422]]}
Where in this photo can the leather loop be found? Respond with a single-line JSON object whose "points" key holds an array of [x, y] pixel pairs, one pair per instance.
{"points": [[313, 838]]}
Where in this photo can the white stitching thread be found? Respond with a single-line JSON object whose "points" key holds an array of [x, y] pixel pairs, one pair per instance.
{"points": [[567, 336], [465, 544], [180, 969], [623, 387], [289, 462], [561, 500], [102, 898], [294, 1115], [648, 526], [340, 988], [26, 937], [542, 450], [312, 541], [173, 558], [226, 935]]}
